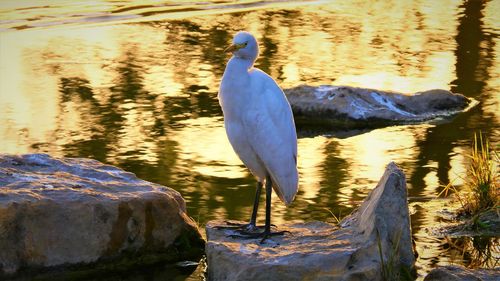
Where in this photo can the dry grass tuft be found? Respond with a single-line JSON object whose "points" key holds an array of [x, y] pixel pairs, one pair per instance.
{"points": [[481, 181]]}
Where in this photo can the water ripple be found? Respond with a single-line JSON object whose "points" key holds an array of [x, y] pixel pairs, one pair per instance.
{"points": [[17, 17]]}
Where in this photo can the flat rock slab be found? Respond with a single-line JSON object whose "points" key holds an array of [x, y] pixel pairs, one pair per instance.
{"points": [[345, 106], [310, 248], [70, 211], [320, 251], [460, 273]]}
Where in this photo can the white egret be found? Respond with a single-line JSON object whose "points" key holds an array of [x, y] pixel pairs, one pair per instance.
{"points": [[260, 127]]}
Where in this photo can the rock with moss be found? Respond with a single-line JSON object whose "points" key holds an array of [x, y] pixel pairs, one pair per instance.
{"points": [[484, 224], [351, 107], [80, 214], [373, 243]]}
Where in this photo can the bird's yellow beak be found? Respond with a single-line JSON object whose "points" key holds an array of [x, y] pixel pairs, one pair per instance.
{"points": [[233, 48]]}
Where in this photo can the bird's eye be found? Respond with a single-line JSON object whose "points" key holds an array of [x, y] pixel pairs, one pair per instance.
{"points": [[245, 44]]}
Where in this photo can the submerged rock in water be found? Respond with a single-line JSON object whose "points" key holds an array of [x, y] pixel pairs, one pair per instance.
{"points": [[344, 106], [320, 251], [460, 273], [484, 224], [70, 211]]}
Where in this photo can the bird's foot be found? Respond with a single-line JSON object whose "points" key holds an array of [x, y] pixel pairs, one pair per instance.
{"points": [[253, 235], [240, 227], [232, 223]]}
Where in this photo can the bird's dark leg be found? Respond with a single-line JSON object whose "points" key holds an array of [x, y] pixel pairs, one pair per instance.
{"points": [[269, 192], [252, 226], [253, 219], [267, 228]]}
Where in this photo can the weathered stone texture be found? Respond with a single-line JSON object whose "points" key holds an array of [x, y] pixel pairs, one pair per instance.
{"points": [[320, 251], [345, 106], [58, 212]]}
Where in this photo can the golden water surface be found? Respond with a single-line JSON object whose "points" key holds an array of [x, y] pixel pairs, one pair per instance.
{"points": [[134, 84]]}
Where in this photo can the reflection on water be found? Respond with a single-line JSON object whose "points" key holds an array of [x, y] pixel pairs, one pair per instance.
{"points": [[476, 251], [140, 92]]}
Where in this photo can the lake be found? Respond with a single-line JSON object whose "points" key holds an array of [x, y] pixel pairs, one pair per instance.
{"points": [[134, 84]]}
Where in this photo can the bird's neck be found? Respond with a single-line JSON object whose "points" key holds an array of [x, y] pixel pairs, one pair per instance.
{"points": [[238, 66]]}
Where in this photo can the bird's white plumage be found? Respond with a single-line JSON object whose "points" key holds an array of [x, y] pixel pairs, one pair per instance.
{"points": [[258, 120]]}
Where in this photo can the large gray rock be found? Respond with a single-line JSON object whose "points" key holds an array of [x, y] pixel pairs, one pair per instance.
{"points": [[61, 212], [460, 273], [345, 106], [320, 251]]}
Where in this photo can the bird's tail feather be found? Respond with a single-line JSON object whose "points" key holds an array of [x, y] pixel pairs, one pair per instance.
{"points": [[286, 186]]}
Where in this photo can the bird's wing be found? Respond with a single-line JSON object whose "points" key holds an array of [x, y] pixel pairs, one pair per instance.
{"points": [[272, 134]]}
